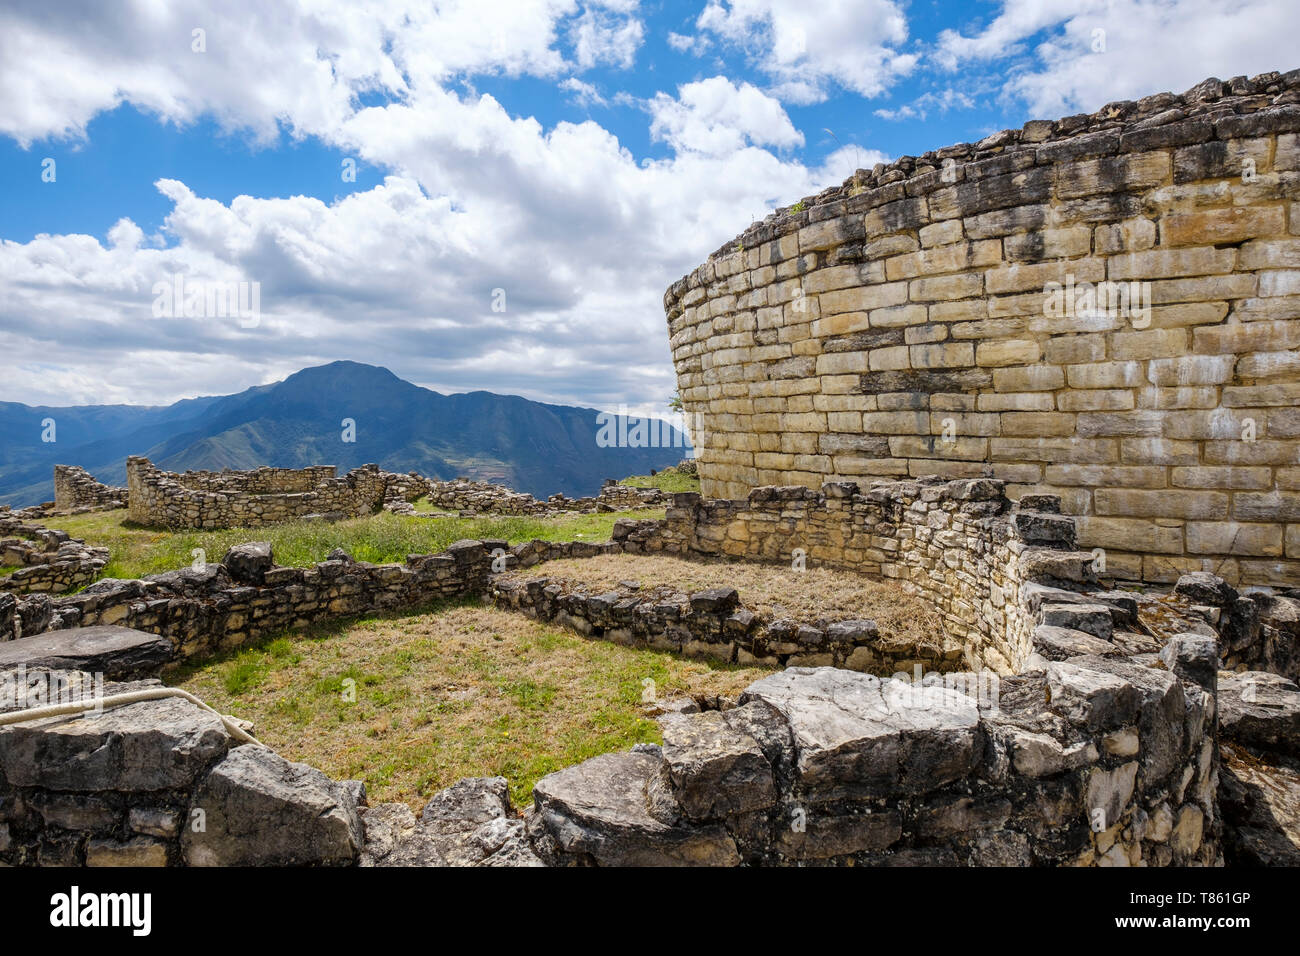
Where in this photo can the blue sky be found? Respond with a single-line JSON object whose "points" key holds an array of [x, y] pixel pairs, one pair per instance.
{"points": [[577, 156], [131, 148]]}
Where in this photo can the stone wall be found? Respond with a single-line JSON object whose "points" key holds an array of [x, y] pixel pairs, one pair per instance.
{"points": [[481, 497], [247, 596], [1090, 761], [249, 499], [957, 544], [1103, 750], [715, 623], [264, 480], [45, 559], [932, 316], [253, 499], [161, 783], [76, 490]]}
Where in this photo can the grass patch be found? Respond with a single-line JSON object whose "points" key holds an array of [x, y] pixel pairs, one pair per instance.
{"points": [[669, 480], [772, 590], [135, 551], [413, 703], [425, 506]]}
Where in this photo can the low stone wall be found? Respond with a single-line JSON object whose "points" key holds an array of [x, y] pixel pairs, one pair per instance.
{"points": [[76, 490], [47, 559], [957, 544], [713, 623], [250, 499], [1100, 749], [247, 596], [160, 783], [1087, 762], [1103, 751], [480, 497], [266, 496]]}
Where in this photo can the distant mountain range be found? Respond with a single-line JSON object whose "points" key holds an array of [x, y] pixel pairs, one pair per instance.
{"points": [[529, 446]]}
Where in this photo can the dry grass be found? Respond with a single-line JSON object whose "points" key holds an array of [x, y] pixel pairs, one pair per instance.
{"points": [[464, 691], [770, 590]]}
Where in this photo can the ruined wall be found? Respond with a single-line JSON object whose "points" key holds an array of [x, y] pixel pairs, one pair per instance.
{"points": [[162, 783], [1089, 762], [481, 497], [258, 481], [247, 596], [253, 499], [957, 544], [75, 489], [812, 766], [1102, 751], [34, 558], [248, 499], [940, 315]]}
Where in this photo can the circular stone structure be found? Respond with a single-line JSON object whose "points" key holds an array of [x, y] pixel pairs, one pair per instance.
{"points": [[1102, 307]]}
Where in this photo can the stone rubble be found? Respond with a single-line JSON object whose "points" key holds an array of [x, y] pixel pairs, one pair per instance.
{"points": [[47, 559]]}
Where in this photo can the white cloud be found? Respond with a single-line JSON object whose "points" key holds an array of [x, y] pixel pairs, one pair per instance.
{"points": [[695, 45], [264, 64], [602, 37], [843, 163], [1016, 21], [715, 116], [923, 105], [582, 237], [805, 47], [582, 93], [1149, 46]]}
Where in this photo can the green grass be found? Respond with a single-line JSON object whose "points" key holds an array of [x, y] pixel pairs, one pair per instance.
{"points": [[425, 506], [135, 551], [669, 480], [413, 702]]}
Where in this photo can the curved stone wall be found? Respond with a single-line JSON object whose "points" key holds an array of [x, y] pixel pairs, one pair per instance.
{"points": [[1103, 307]]}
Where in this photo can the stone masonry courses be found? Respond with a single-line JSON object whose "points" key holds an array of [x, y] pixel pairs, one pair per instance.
{"points": [[1105, 307]]}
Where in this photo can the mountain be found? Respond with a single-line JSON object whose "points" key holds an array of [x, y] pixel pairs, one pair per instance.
{"points": [[529, 446]]}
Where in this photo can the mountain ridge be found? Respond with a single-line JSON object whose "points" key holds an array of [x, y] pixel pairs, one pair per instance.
{"points": [[534, 447]]}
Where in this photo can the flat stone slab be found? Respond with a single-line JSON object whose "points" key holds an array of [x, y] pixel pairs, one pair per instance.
{"points": [[119, 653], [599, 808], [1062, 643], [856, 735]]}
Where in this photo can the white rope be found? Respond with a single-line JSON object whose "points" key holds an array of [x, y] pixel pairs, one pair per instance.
{"points": [[117, 700]]}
